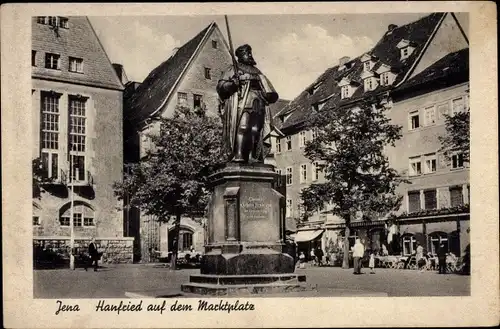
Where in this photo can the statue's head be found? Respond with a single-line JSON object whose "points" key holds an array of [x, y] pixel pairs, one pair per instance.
{"points": [[244, 54]]}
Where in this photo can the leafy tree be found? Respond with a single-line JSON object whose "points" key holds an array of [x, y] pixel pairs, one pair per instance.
{"points": [[171, 180], [457, 137], [349, 147]]}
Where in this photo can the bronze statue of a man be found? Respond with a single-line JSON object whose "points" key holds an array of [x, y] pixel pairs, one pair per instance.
{"points": [[245, 96]]}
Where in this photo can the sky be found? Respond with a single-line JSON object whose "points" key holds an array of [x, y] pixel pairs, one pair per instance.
{"points": [[291, 50]]}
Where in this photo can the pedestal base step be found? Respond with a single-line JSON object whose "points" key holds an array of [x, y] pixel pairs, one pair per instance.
{"points": [[247, 279], [241, 289]]}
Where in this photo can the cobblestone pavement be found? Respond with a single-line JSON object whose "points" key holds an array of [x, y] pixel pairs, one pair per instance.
{"points": [[115, 281]]}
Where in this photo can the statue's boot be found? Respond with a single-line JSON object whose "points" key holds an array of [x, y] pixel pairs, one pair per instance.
{"points": [[243, 141]]}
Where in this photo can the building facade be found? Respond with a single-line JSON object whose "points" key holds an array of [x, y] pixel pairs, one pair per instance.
{"points": [[77, 123], [435, 203], [413, 68], [188, 78]]}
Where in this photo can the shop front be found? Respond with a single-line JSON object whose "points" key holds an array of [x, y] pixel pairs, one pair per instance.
{"points": [[431, 232], [307, 240]]}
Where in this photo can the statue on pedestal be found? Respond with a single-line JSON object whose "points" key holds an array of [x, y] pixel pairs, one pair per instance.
{"points": [[245, 94], [244, 248]]}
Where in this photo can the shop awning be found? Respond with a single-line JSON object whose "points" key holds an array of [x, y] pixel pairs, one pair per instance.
{"points": [[305, 236]]}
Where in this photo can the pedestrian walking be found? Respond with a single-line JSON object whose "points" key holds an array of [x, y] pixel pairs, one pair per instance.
{"points": [[313, 256], [441, 253], [94, 255], [319, 256], [358, 253], [420, 259], [371, 263]]}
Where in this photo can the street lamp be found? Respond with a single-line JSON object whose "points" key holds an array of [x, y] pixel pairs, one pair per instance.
{"points": [[71, 219]]}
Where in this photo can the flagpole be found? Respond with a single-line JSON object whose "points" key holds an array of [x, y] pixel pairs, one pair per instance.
{"points": [[71, 215]]}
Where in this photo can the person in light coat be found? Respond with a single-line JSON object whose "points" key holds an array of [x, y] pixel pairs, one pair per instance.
{"points": [[358, 253], [371, 264]]}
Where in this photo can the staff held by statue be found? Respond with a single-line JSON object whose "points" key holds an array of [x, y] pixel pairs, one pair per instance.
{"points": [[245, 94]]}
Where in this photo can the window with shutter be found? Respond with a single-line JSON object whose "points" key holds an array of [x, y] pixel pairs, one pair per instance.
{"points": [[430, 199], [456, 196], [413, 201]]}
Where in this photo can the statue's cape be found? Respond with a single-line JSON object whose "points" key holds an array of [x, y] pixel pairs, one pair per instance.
{"points": [[232, 112]]}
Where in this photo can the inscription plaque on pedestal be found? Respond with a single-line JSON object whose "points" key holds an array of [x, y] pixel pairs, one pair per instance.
{"points": [[246, 223], [255, 208]]}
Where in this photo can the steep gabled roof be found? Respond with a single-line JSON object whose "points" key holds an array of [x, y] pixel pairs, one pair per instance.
{"points": [[454, 66], [78, 40], [154, 91], [419, 33]]}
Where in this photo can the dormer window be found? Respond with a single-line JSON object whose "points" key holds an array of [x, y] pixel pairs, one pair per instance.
{"points": [[384, 78], [318, 106], [368, 62], [56, 21], [406, 48], [387, 77], [344, 92], [405, 52], [347, 88], [314, 88], [286, 116], [369, 84]]}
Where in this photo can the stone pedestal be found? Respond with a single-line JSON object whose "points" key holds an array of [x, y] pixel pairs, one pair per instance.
{"points": [[246, 231]]}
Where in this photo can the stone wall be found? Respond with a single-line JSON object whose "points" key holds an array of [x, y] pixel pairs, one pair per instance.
{"points": [[115, 250]]}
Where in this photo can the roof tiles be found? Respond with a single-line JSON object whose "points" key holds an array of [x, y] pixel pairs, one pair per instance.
{"points": [[152, 93], [385, 52]]}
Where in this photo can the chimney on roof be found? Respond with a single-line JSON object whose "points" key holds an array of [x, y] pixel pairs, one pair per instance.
{"points": [[344, 60], [391, 27], [120, 72]]}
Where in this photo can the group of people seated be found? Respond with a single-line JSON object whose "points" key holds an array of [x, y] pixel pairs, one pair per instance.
{"points": [[442, 261]]}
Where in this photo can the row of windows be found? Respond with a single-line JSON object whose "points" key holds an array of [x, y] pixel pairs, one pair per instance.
{"points": [[58, 21], [182, 99], [304, 173], [430, 163], [370, 83], [77, 220], [289, 209], [82, 216], [50, 131], [53, 62], [49, 122], [417, 119], [418, 200], [51, 162], [287, 141], [415, 204], [409, 243], [427, 116]]}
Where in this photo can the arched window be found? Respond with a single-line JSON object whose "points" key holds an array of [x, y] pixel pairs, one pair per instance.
{"points": [[435, 239], [185, 238], [83, 215], [409, 244]]}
